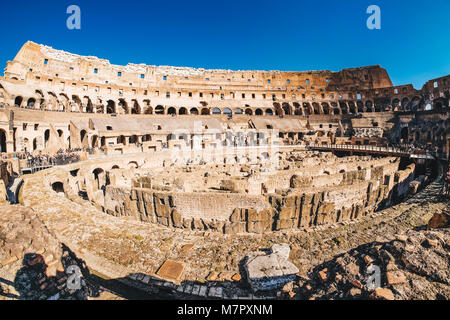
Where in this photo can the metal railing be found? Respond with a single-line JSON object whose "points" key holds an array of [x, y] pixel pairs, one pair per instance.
{"points": [[370, 148]]}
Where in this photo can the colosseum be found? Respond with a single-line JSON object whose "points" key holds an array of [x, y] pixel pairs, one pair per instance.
{"points": [[186, 183]]}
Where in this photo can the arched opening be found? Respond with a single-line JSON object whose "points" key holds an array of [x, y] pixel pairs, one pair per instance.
{"points": [[136, 108], [172, 111], [103, 142], [326, 108], [216, 111], [148, 108], [316, 108], [82, 136], [405, 102], [123, 106], [31, 102], [132, 165], [228, 111], [159, 109], [18, 101], [352, 107], [258, 112], [237, 111], [94, 141], [415, 103], [278, 109], [193, 111], [46, 137], [2, 140], [146, 138], [182, 111], [369, 106], [58, 187], [287, 109], [133, 139], [205, 112], [249, 112], [360, 106], [61, 134], [96, 174], [269, 112], [115, 167], [308, 109], [34, 144], [111, 107], [89, 106], [121, 140]]}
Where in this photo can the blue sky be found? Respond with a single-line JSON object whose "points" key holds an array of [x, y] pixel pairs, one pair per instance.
{"points": [[295, 35]]}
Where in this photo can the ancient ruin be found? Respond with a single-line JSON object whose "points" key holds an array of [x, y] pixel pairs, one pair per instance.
{"points": [[173, 180]]}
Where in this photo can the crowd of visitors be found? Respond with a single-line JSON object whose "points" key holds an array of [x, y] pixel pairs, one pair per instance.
{"points": [[62, 157]]}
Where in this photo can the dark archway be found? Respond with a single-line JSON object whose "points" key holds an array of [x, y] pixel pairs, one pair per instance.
{"points": [[58, 187], [18, 101], [2, 141]]}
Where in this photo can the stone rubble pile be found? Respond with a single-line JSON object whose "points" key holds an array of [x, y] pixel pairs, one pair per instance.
{"points": [[413, 266]]}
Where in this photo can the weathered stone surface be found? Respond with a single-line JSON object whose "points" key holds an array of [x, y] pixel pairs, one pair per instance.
{"points": [[271, 271]]}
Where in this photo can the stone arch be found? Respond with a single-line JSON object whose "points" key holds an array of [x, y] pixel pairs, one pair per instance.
{"points": [[316, 108], [249, 111], [31, 103], [133, 164], [123, 107], [94, 141], [147, 137], [415, 103], [205, 112], [182, 111], [216, 111], [147, 108], [159, 109], [111, 107], [325, 108], [343, 106], [136, 109], [287, 109], [83, 136], [238, 111], [64, 101], [121, 140], [269, 112], [58, 187], [405, 104], [227, 111], [258, 112], [46, 137], [278, 109], [88, 103], [360, 106], [172, 111], [369, 106], [193, 111], [18, 101], [352, 107], [307, 107], [3, 139]]}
